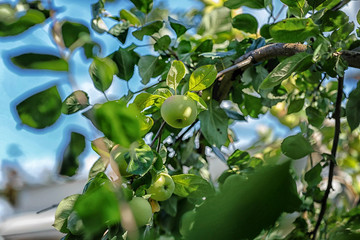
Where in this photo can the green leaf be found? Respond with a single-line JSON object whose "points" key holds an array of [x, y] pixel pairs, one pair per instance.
{"points": [[295, 105], [63, 211], [72, 31], [118, 123], [148, 29], [315, 117], [144, 100], [176, 73], [315, 3], [70, 161], [293, 30], [217, 22], [313, 176], [234, 4], [296, 146], [125, 59], [353, 108], [143, 5], [245, 22], [75, 102], [41, 109], [30, 19], [333, 20], [239, 158], [40, 61], [214, 124], [178, 26], [102, 71], [163, 43], [147, 66], [358, 17], [285, 69], [190, 185], [252, 106], [98, 167], [199, 101], [246, 207], [292, 4], [130, 17], [120, 31], [184, 47], [98, 210], [141, 159], [202, 78]]}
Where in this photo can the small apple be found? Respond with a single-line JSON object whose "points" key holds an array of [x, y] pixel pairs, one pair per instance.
{"points": [[187, 222], [117, 155], [179, 111], [141, 210], [162, 188]]}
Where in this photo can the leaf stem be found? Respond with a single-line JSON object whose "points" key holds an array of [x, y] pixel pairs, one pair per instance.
{"points": [[337, 115]]}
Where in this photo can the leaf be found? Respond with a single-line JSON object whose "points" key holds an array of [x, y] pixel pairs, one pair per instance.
{"points": [[72, 31], [178, 26], [246, 207], [315, 3], [40, 61], [234, 4], [190, 185], [26, 21], [285, 69], [216, 22], [202, 78], [141, 159], [214, 124], [144, 100], [147, 66], [358, 17], [315, 117], [245, 22], [199, 101], [102, 71], [102, 146], [293, 30], [295, 105], [63, 211], [70, 161], [296, 146], [120, 31], [163, 43], [143, 5], [99, 166], [313, 176], [148, 29], [333, 20], [176, 73], [118, 123], [130, 17], [41, 109], [75, 102], [125, 60], [98, 210], [353, 108]]}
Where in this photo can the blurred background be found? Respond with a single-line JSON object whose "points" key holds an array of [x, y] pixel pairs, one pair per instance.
{"points": [[30, 159]]}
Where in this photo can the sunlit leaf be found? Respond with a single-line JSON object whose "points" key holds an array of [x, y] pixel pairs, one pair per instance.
{"points": [[75, 102], [202, 78], [120, 31], [99, 166], [176, 73], [141, 159], [102, 71], [189, 185], [234, 4], [63, 211], [41, 109], [130, 17]]}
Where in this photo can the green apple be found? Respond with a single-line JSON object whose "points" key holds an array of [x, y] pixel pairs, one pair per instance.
{"points": [[117, 155], [162, 188], [141, 210], [179, 111], [187, 222]]}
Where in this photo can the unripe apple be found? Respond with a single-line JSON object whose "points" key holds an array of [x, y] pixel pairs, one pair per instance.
{"points": [[179, 111], [141, 210], [117, 156], [187, 222], [162, 188]]}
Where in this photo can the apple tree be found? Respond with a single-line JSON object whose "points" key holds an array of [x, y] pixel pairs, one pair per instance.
{"points": [[205, 70]]}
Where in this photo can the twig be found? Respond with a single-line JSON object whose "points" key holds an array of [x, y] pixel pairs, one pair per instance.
{"points": [[187, 130], [157, 134], [146, 88], [337, 115]]}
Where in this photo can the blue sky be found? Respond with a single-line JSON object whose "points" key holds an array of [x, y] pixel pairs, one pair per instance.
{"points": [[35, 153]]}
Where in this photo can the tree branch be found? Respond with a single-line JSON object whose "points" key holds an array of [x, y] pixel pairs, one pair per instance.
{"points": [[157, 134], [336, 115]]}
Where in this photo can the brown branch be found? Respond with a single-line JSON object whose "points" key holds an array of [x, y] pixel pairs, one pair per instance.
{"points": [[337, 115]]}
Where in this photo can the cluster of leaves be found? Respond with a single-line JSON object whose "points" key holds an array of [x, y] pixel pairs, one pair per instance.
{"points": [[251, 199]]}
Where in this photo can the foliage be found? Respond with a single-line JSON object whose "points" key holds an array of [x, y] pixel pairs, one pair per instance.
{"points": [[275, 189]]}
